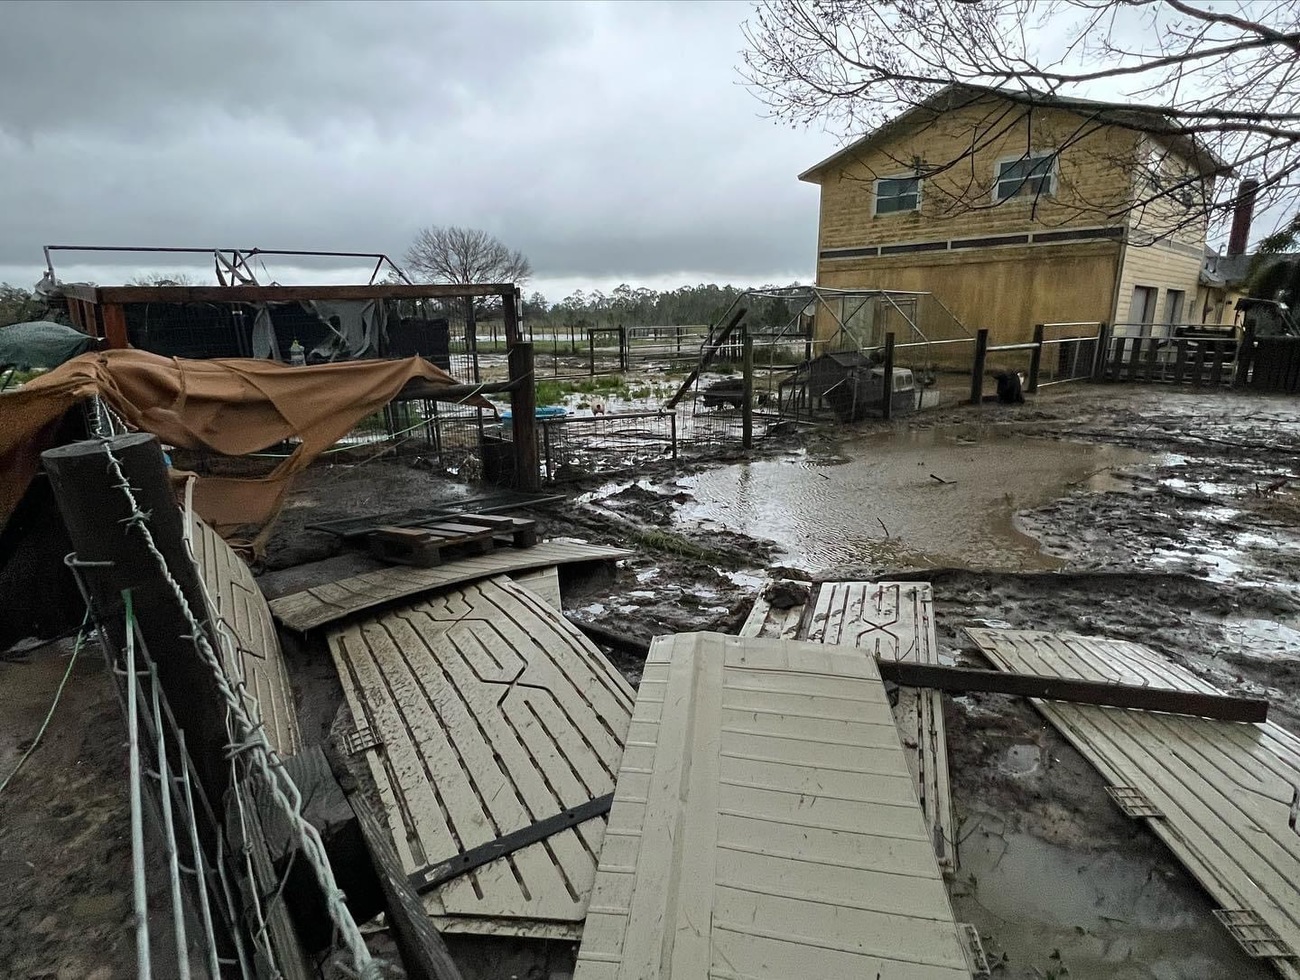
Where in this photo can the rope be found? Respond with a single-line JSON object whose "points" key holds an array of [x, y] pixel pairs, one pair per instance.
{"points": [[76, 649], [249, 740]]}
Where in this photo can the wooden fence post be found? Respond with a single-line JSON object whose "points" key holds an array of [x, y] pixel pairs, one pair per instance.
{"points": [[887, 406], [1245, 356], [1099, 355], [523, 415], [509, 317], [99, 519], [1036, 358], [977, 368], [747, 392]]}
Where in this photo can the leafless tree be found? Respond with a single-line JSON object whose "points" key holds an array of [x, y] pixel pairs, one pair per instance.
{"points": [[1223, 77], [163, 279], [465, 255]]}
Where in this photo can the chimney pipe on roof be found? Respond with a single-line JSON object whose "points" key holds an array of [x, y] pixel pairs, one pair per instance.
{"points": [[1239, 237]]}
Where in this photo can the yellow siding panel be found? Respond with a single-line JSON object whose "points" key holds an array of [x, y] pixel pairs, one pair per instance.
{"points": [[1093, 180], [1007, 290]]}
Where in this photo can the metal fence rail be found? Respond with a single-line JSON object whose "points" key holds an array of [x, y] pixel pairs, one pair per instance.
{"points": [[574, 446]]}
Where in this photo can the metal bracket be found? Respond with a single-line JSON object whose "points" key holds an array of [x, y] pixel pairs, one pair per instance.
{"points": [[975, 958], [430, 877], [1134, 802], [1257, 937], [360, 739]]}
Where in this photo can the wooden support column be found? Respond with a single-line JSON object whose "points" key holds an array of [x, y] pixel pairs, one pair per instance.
{"points": [[977, 368], [1035, 358], [523, 411], [98, 515], [115, 326], [887, 406], [747, 392]]}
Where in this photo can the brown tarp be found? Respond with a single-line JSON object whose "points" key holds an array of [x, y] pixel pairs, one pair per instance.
{"points": [[233, 407]]}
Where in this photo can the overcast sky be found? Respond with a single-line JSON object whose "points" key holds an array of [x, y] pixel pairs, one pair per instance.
{"points": [[609, 142]]}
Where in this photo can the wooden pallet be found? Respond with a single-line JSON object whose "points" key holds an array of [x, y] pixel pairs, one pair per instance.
{"points": [[461, 536]]}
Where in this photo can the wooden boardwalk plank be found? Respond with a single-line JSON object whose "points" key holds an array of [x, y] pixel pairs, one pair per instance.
{"points": [[707, 873], [318, 606], [493, 713], [1224, 788], [239, 603]]}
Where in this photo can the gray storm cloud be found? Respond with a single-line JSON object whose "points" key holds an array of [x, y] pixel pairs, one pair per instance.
{"points": [[603, 140]]}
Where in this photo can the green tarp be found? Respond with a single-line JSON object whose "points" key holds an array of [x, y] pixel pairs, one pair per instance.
{"points": [[40, 344]]}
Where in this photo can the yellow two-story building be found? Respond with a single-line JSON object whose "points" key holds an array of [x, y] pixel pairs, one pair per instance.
{"points": [[1021, 209]]}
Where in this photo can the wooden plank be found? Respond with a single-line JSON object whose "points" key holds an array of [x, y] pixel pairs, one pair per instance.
{"points": [[423, 950], [707, 871], [326, 808], [238, 603], [964, 680], [492, 713], [1223, 789], [894, 621], [278, 952], [315, 607]]}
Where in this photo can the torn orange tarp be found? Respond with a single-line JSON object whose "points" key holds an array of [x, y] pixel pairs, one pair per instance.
{"points": [[233, 407]]}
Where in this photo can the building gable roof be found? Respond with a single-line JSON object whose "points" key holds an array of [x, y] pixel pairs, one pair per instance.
{"points": [[1146, 119]]}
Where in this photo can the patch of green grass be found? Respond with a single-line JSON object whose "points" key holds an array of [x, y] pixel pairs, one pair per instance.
{"points": [[550, 392], [653, 539], [720, 367]]}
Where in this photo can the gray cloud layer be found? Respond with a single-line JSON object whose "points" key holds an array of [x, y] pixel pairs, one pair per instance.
{"points": [[605, 140]]}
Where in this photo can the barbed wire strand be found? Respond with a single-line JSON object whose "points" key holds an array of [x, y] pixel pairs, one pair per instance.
{"points": [[249, 742]]}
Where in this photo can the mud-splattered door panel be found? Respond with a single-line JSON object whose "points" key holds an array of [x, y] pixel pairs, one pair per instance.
{"points": [[491, 713]]}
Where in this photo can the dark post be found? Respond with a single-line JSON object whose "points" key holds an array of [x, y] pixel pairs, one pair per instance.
{"points": [[977, 369], [591, 350], [510, 317], [747, 392], [1099, 355], [115, 332], [98, 515], [1036, 357], [523, 411], [1245, 355], [887, 406]]}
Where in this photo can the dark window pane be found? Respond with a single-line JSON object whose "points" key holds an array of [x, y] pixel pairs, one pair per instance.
{"points": [[897, 194]]}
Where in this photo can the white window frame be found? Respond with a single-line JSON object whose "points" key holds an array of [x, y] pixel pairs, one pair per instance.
{"points": [[1053, 176], [875, 195]]}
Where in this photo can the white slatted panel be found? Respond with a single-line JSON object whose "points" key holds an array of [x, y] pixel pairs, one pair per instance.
{"points": [[494, 713], [765, 825], [1225, 788]]}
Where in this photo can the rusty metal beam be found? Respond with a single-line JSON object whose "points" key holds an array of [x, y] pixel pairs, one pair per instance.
{"points": [[967, 680], [286, 294]]}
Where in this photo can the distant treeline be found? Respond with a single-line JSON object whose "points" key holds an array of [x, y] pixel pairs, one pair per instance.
{"points": [[637, 306]]}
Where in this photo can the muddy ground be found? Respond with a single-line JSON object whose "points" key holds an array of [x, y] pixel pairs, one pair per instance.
{"points": [[1145, 514]]}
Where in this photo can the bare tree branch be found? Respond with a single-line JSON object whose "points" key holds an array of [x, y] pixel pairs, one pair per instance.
{"points": [[1221, 80]]}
